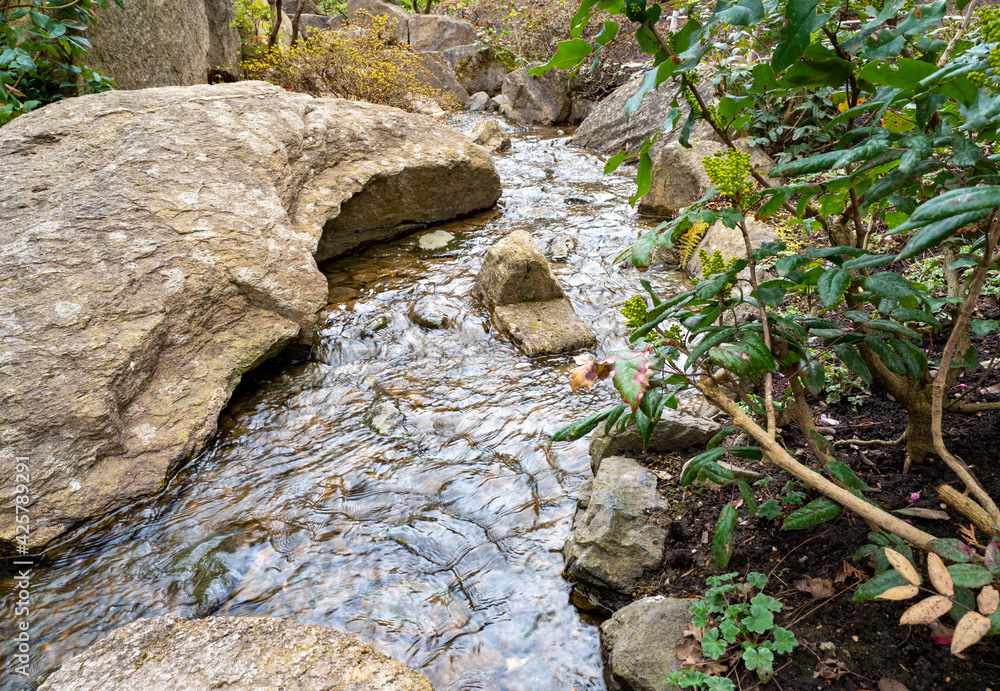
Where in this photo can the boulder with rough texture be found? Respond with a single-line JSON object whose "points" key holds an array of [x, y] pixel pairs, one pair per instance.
{"points": [[308, 7], [671, 433], [606, 129], [492, 135], [477, 68], [320, 22], [579, 109], [535, 100], [544, 328], [168, 653], [180, 252], [638, 643], [517, 286], [438, 76], [678, 176], [480, 101], [515, 270], [729, 242], [439, 32], [616, 540], [163, 42], [400, 17]]}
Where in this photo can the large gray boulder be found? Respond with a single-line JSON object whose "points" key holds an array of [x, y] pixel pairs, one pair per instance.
{"points": [[535, 100], [179, 252], [439, 32], [320, 22], [608, 130], [639, 640], [168, 653], [616, 539], [525, 299], [678, 176], [671, 433], [729, 243], [163, 42], [476, 68], [399, 17], [438, 75]]}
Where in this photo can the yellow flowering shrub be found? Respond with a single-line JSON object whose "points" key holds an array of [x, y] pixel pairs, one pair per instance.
{"points": [[358, 63]]}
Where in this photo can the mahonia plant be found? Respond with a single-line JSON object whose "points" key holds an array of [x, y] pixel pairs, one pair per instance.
{"points": [[634, 310]]}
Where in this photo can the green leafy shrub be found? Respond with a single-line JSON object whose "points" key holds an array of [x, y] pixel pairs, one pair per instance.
{"points": [[41, 51], [917, 119]]}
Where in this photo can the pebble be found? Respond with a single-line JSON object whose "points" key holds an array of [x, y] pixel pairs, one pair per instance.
{"points": [[436, 240]]}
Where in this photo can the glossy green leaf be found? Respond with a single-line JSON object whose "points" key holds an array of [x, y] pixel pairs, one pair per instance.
{"points": [[722, 542], [832, 285], [843, 472], [749, 499], [569, 55], [812, 514], [878, 585], [581, 427], [802, 23], [970, 575]]}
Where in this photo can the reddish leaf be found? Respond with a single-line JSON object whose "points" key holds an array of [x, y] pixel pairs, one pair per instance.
{"points": [[631, 377], [992, 561]]}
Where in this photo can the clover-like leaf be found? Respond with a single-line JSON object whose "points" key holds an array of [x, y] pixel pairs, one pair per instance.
{"points": [[784, 640], [712, 646]]}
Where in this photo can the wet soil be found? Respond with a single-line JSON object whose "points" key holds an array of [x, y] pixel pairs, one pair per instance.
{"points": [[858, 644]]}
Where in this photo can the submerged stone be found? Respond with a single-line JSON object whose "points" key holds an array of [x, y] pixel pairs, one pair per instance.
{"points": [[436, 240], [168, 653]]}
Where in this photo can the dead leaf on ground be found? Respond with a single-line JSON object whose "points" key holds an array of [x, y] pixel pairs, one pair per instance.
{"points": [[661, 474], [848, 570], [819, 588], [935, 514], [830, 669], [887, 684], [689, 653], [696, 632]]}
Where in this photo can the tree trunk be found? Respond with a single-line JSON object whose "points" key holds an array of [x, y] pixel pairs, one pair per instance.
{"points": [[277, 25]]}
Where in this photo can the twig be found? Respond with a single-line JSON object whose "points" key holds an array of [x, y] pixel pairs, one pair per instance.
{"points": [[941, 382], [966, 20], [779, 457], [871, 442]]}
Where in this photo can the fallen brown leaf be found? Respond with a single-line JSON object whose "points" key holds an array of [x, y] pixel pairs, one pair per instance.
{"points": [[887, 684], [830, 669], [817, 587]]}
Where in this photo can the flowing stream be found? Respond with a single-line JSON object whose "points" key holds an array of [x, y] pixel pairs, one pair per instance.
{"points": [[438, 540]]}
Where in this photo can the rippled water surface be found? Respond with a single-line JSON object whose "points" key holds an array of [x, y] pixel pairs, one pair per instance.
{"points": [[439, 541]]}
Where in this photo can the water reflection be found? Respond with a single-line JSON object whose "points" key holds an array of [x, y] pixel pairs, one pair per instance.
{"points": [[401, 484]]}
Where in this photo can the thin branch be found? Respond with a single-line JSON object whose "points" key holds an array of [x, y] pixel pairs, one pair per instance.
{"points": [[273, 36], [865, 443], [779, 457], [966, 20], [974, 407], [941, 381]]}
